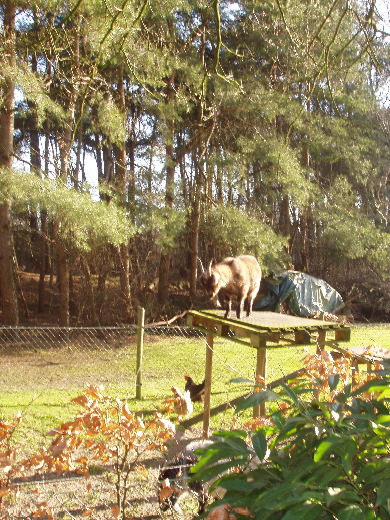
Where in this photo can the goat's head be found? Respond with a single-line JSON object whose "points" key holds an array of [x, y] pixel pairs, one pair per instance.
{"points": [[209, 280]]}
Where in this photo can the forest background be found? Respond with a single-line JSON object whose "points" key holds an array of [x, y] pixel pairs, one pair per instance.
{"points": [[214, 128]]}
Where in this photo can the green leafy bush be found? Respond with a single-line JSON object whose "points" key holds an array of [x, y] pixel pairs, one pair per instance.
{"points": [[315, 460]]}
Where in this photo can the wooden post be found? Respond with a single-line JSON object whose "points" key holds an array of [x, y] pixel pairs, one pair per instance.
{"points": [[321, 337], [355, 370], [140, 350], [261, 372], [207, 385]]}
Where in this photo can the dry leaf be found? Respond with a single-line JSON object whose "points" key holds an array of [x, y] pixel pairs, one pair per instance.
{"points": [[58, 447], [81, 400], [126, 412], [244, 511], [4, 492], [219, 513], [94, 391]]}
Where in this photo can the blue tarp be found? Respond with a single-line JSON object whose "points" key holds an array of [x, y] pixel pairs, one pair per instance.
{"points": [[304, 294]]}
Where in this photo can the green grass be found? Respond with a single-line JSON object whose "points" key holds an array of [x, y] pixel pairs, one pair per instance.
{"points": [[371, 335], [40, 383]]}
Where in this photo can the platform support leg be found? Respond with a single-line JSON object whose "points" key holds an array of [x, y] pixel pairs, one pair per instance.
{"points": [[207, 385], [355, 371], [321, 337], [261, 374]]}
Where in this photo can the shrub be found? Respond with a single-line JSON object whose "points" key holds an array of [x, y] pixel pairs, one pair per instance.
{"points": [[104, 432], [316, 459]]}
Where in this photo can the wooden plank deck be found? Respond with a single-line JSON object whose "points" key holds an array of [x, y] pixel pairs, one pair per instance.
{"points": [[273, 327]]}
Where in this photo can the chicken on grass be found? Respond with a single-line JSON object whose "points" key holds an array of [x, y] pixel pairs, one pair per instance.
{"points": [[181, 402], [196, 390]]}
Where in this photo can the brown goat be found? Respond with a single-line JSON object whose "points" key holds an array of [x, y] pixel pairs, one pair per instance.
{"points": [[238, 278]]}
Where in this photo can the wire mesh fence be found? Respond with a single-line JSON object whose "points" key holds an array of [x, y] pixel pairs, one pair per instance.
{"points": [[43, 368], [48, 357], [39, 362]]}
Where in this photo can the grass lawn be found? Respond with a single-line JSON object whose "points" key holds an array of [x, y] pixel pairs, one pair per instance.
{"points": [[40, 382], [370, 335]]}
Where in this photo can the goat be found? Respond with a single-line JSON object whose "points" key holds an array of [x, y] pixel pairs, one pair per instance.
{"points": [[174, 480], [238, 278]]}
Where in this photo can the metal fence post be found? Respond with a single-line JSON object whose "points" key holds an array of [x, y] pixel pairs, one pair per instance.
{"points": [[140, 349]]}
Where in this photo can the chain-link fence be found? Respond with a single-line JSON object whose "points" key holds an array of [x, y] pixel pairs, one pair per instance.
{"points": [[43, 368], [53, 364]]}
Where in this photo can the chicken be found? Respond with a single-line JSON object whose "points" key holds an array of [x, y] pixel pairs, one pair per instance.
{"points": [[196, 391], [182, 404]]}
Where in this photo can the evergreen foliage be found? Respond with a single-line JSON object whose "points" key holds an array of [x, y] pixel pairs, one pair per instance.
{"points": [[219, 128], [233, 232], [86, 224]]}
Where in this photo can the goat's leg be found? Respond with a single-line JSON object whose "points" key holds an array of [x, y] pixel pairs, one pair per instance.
{"points": [[242, 303], [202, 504], [249, 303], [202, 499], [228, 307], [240, 306]]}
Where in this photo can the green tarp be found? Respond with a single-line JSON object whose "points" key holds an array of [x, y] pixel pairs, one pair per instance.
{"points": [[304, 294]]}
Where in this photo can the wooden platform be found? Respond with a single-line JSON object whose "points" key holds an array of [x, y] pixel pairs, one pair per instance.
{"points": [[261, 330], [269, 329], [363, 356]]}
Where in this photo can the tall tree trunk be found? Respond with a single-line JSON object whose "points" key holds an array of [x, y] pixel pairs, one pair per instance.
{"points": [[39, 239], [305, 222], [43, 261], [18, 285], [201, 180], [195, 217], [44, 254], [62, 257], [7, 282], [108, 169], [65, 143], [131, 156], [63, 276], [284, 220], [182, 168], [194, 236], [90, 291], [165, 259], [219, 185], [77, 168], [121, 182]]}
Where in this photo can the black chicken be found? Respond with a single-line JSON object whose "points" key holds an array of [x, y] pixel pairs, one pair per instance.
{"points": [[196, 391]]}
